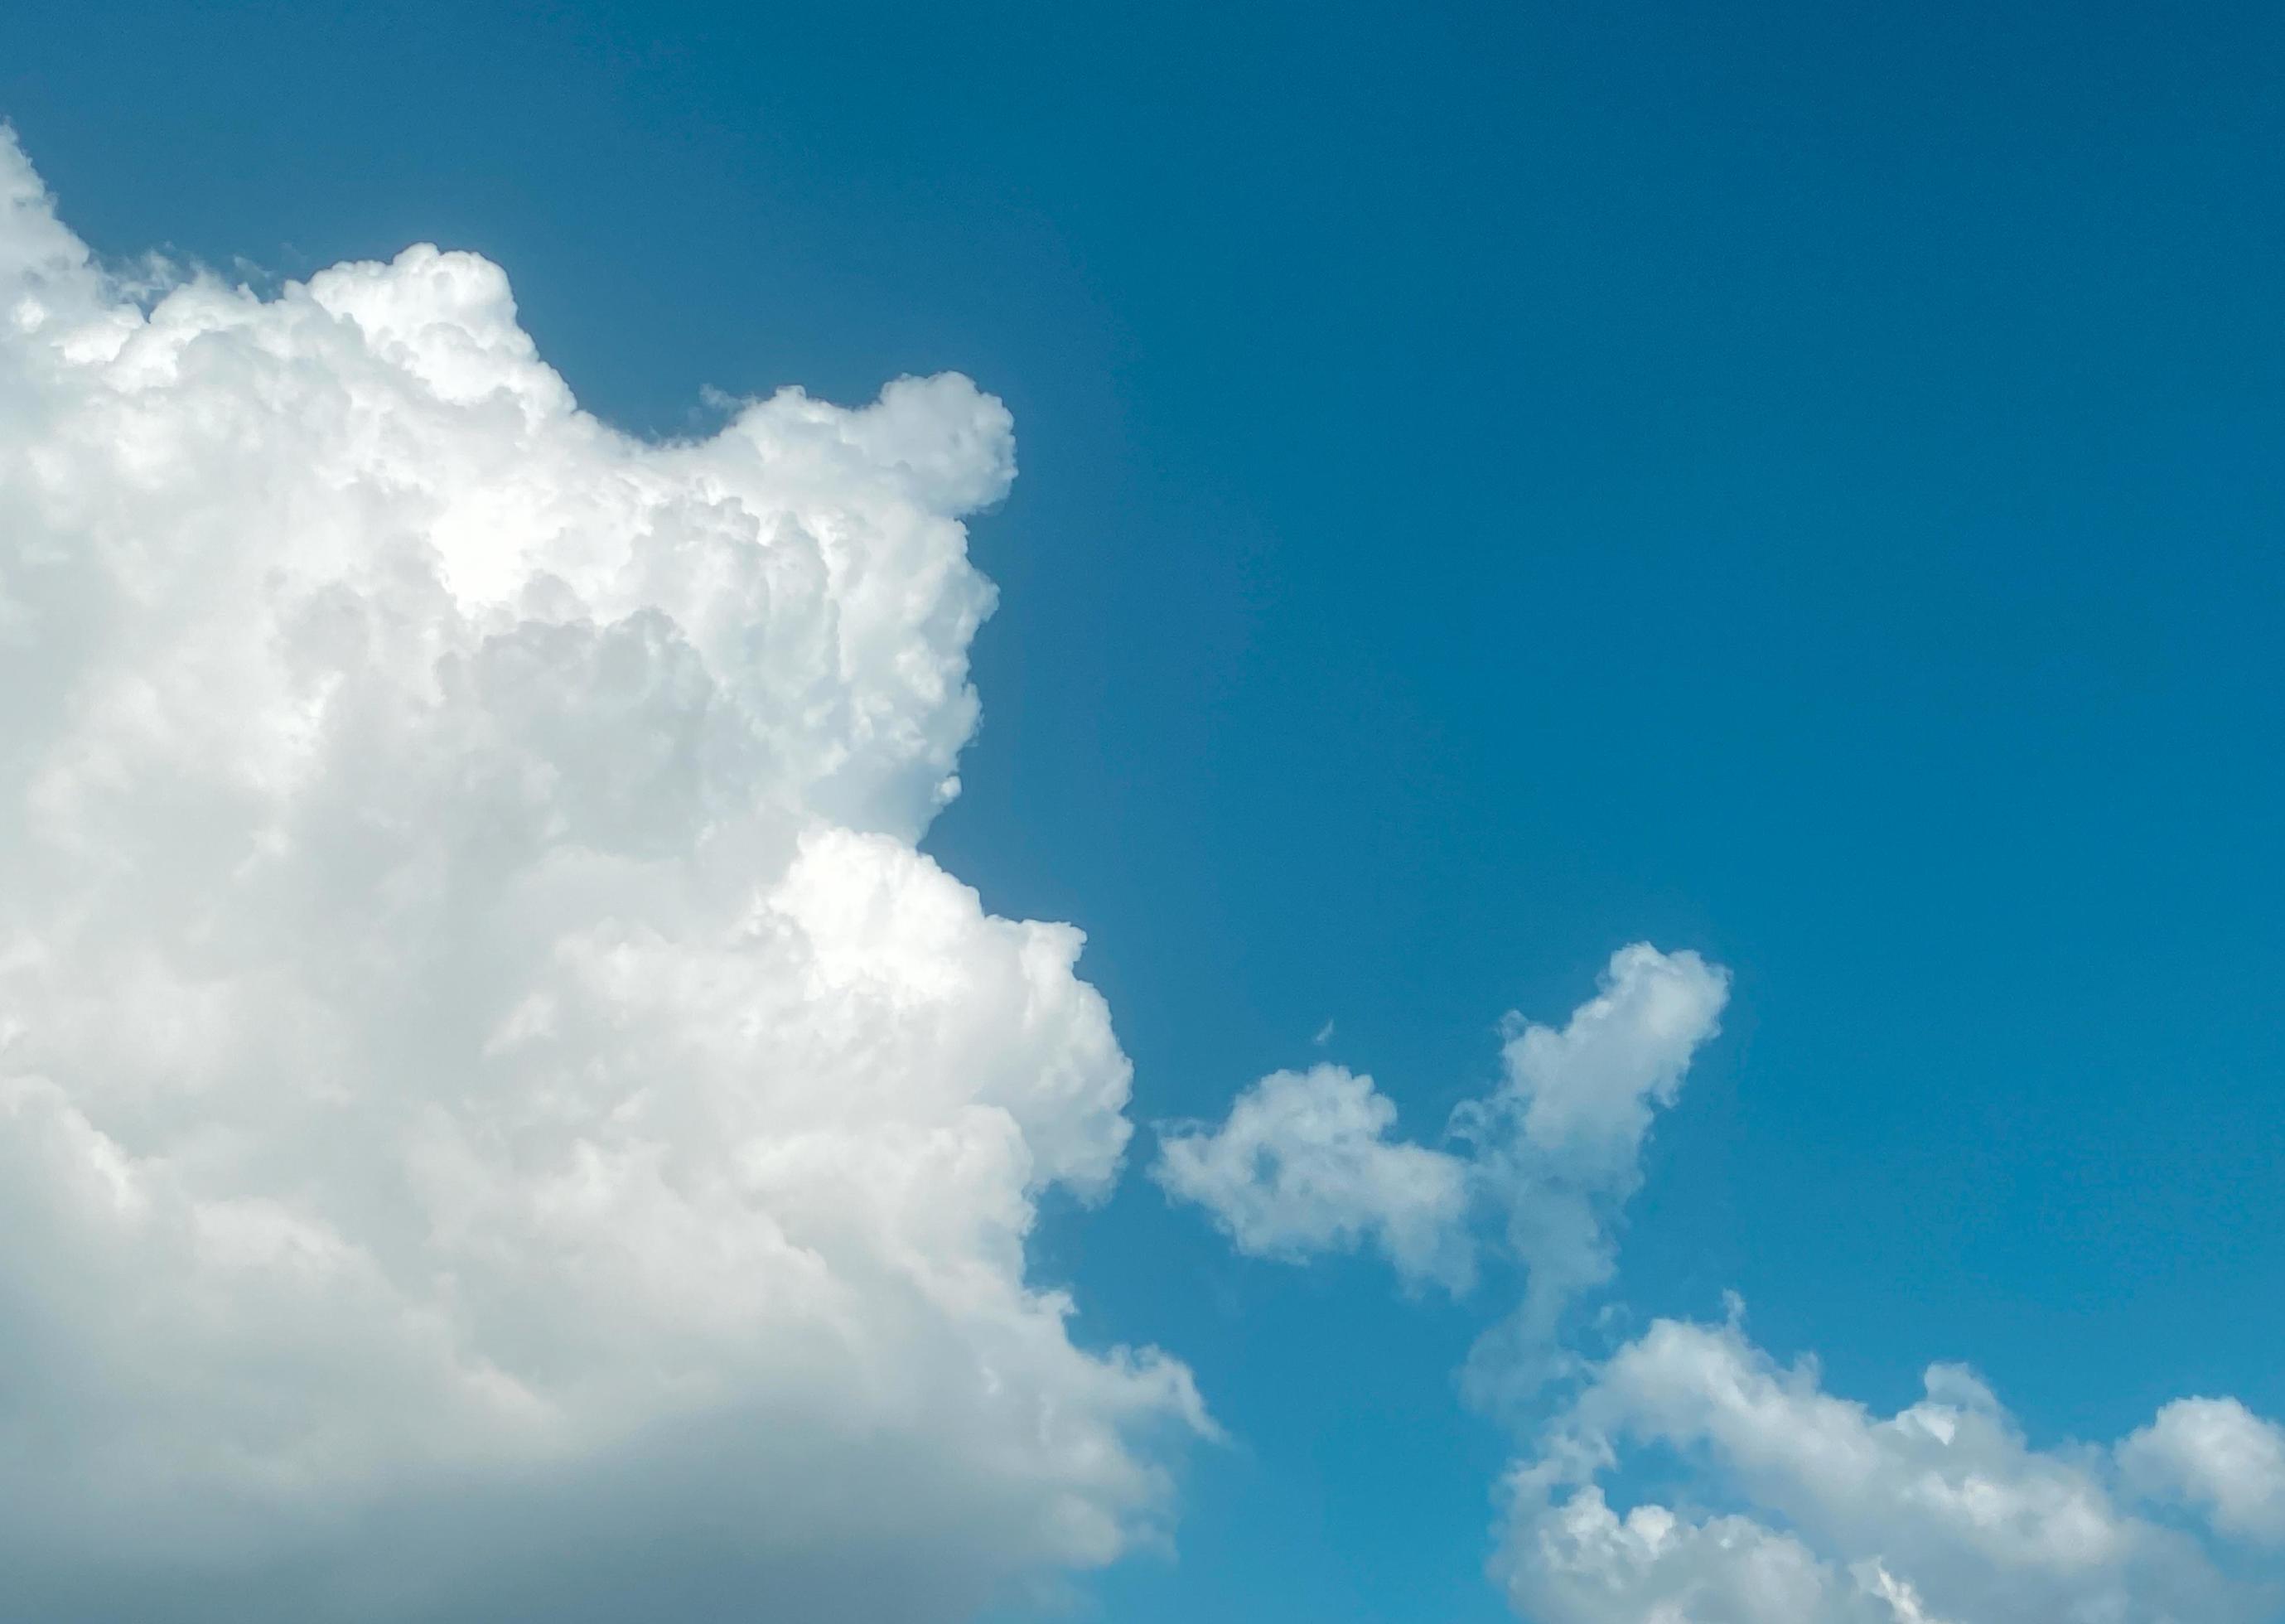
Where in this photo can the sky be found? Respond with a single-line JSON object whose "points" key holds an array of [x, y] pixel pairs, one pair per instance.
{"points": [[1643, 637]]}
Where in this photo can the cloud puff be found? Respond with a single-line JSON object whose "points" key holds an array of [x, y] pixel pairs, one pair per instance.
{"points": [[1941, 1511], [480, 1058], [1579, 1562], [1585, 1093], [1304, 1163], [2219, 1456], [1561, 1143]]}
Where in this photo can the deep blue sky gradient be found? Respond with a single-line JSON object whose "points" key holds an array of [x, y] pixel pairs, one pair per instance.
{"points": [[1801, 480]]}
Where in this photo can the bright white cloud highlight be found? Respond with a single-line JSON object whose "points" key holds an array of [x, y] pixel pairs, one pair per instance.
{"points": [[1304, 1163], [2218, 1456], [1942, 1511], [480, 1055]]}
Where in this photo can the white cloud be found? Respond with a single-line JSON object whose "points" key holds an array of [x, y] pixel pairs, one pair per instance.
{"points": [[1560, 1141], [1585, 1093], [1304, 1163], [2217, 1456], [481, 1059], [1578, 1562], [1837, 1515]]}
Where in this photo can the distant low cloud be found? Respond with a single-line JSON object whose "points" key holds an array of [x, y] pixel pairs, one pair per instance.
{"points": [[1304, 1163], [497, 1118], [1825, 1512]]}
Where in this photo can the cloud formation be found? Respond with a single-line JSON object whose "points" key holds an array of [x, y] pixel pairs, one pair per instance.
{"points": [[1941, 1512], [1304, 1163], [481, 1056], [1561, 1143], [1758, 1497], [2219, 1457]]}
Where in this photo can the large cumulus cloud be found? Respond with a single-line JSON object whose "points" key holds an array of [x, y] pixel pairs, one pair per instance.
{"points": [[487, 1086]]}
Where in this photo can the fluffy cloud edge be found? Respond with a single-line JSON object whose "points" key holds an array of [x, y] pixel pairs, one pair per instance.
{"points": [[481, 1056], [1834, 1514], [1306, 1163], [2217, 1457]]}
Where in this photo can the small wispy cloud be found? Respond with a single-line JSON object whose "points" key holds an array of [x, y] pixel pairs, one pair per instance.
{"points": [[481, 1034], [1305, 1163]]}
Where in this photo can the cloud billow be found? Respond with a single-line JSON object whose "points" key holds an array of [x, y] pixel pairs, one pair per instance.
{"points": [[1942, 1513], [489, 1089], [1783, 1502], [500, 1119], [1305, 1164]]}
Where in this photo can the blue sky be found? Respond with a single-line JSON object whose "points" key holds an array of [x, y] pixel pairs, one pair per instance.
{"points": [[1797, 482]]}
